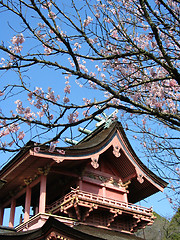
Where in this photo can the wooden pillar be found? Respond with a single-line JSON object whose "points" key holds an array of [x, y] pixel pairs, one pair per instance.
{"points": [[12, 212], [42, 197], [104, 191], [125, 197], [1, 215], [27, 203], [36, 210]]}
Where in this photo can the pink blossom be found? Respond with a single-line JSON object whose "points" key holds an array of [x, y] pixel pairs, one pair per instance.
{"points": [[47, 50], [40, 114], [172, 83], [13, 127], [144, 121], [21, 135], [78, 83], [103, 75], [30, 95], [18, 48], [19, 39], [41, 25], [46, 5], [157, 2], [87, 101], [72, 64], [2, 62], [66, 77], [92, 84], [66, 100], [4, 144], [12, 57], [67, 89], [50, 95], [4, 132], [52, 15], [51, 117], [73, 117], [114, 34], [87, 21], [83, 67], [27, 113], [85, 113], [11, 143]]}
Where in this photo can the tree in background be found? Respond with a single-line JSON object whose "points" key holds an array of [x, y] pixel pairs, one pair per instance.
{"points": [[173, 230], [162, 229], [61, 53]]}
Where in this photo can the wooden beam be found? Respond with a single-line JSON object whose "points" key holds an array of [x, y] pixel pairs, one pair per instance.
{"points": [[63, 172]]}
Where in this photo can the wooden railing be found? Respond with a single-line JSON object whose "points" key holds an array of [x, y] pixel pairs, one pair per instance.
{"points": [[59, 202], [99, 200]]}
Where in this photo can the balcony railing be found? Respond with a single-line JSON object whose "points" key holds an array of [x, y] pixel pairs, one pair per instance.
{"points": [[38, 221], [99, 200]]}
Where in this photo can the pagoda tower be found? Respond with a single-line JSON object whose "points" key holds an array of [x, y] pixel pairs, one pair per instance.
{"points": [[93, 183]]}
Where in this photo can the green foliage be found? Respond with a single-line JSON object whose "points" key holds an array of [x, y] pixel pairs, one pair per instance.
{"points": [[162, 229], [173, 230]]}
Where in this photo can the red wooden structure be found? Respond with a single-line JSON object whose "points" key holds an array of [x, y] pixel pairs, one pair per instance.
{"points": [[96, 182]]}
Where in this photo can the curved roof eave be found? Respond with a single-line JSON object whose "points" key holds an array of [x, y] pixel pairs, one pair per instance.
{"points": [[98, 142], [91, 147]]}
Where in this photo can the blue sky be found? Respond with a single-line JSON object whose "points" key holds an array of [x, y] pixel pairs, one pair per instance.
{"points": [[158, 201]]}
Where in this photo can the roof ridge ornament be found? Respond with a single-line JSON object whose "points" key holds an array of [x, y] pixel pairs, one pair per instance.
{"points": [[106, 120]]}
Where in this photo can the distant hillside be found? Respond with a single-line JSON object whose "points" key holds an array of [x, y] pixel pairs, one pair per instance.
{"points": [[162, 229]]}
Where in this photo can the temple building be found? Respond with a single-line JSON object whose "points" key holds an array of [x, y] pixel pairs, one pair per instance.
{"points": [[86, 191]]}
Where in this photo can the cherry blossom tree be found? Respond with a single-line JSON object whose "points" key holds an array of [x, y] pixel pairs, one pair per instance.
{"points": [[124, 53]]}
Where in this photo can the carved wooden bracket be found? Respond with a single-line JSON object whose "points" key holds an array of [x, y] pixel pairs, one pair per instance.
{"points": [[77, 210], [58, 159], [116, 150], [54, 236], [134, 224], [137, 217], [45, 170], [94, 161], [140, 175], [88, 211], [114, 214], [29, 180]]}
